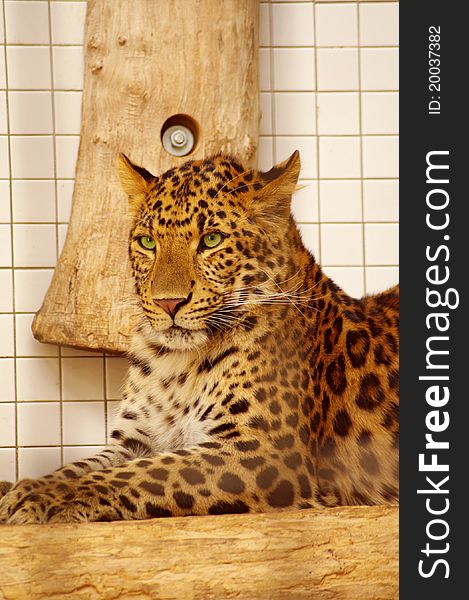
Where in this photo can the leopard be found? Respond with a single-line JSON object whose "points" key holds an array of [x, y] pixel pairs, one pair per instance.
{"points": [[255, 383]]}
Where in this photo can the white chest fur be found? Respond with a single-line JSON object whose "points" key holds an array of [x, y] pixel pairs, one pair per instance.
{"points": [[168, 400]]}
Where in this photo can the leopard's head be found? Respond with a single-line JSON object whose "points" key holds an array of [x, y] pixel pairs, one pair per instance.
{"points": [[208, 244]]}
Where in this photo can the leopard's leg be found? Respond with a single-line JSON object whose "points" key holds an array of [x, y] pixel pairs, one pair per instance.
{"points": [[113, 455], [211, 478]]}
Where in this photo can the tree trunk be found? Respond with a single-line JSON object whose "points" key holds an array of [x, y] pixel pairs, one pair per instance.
{"points": [[343, 553], [145, 61]]}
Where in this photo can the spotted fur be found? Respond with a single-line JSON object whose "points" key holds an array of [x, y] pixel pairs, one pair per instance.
{"points": [[264, 387]]}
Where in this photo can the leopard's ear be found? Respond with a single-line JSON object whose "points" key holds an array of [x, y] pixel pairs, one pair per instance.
{"points": [[278, 185], [134, 179]]}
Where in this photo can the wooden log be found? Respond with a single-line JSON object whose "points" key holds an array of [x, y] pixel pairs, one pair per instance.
{"points": [[145, 61], [343, 553]]}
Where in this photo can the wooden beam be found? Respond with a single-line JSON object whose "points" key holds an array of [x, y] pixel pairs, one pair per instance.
{"points": [[343, 553]]}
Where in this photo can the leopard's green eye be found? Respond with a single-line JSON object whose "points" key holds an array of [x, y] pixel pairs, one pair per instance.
{"points": [[212, 240], [147, 242]]}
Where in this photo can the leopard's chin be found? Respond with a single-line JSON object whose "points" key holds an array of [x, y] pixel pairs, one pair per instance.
{"points": [[179, 338]]}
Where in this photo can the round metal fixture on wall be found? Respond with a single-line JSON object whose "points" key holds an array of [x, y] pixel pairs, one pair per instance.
{"points": [[179, 135]]}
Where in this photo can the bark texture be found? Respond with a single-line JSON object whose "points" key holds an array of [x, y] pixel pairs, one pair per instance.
{"points": [[343, 553]]}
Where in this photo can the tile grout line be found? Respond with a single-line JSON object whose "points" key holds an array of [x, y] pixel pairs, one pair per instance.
{"points": [[48, 89], [61, 45], [15, 368], [299, 221], [326, 2], [316, 117], [360, 129], [280, 135], [57, 243], [282, 46], [92, 401], [287, 2], [44, 135], [285, 91], [273, 105], [302, 179], [106, 399], [332, 47], [55, 135]]}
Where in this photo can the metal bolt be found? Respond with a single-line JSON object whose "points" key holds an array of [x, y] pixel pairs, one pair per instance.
{"points": [[178, 138]]}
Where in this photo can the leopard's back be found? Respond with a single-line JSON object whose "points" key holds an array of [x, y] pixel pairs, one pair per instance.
{"points": [[357, 388]]}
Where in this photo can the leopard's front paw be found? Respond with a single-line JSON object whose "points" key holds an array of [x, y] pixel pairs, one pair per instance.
{"points": [[30, 509], [32, 501], [5, 486], [22, 504]]}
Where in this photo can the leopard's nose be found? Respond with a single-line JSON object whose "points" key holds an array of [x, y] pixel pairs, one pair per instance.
{"points": [[170, 305]]}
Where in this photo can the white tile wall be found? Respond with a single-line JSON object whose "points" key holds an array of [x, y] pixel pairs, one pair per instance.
{"points": [[30, 415], [82, 378], [4, 160], [35, 461], [338, 114], [379, 68], [341, 200], [3, 113], [379, 24], [293, 24], [42, 210], [336, 24], [31, 157], [27, 22], [7, 346], [337, 69], [293, 69], [329, 87], [30, 113], [28, 67], [7, 377], [67, 112], [380, 112]]}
